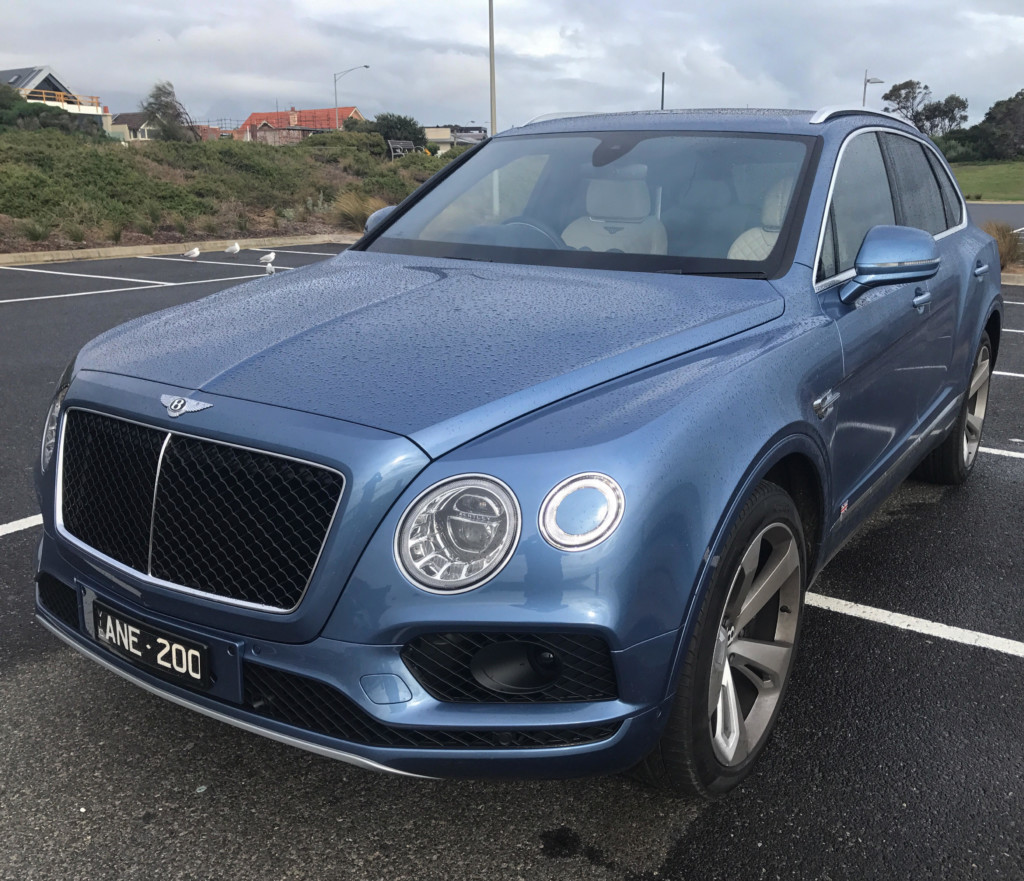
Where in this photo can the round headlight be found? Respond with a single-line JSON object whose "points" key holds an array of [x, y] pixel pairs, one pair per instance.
{"points": [[582, 511], [458, 534], [50, 429]]}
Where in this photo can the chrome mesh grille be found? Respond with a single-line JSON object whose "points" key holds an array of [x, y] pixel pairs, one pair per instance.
{"points": [[240, 525]]}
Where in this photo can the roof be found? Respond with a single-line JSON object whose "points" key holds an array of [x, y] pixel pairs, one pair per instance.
{"points": [[30, 77], [323, 118], [715, 119], [135, 119]]}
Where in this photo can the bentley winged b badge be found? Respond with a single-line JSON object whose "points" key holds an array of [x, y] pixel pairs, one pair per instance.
{"points": [[176, 406]]}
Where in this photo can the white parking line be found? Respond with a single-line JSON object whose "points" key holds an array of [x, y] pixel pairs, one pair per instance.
{"points": [[144, 287], [211, 262], [1012, 303], [19, 525], [917, 625], [1004, 373], [84, 275], [282, 251], [1008, 330], [994, 452]]}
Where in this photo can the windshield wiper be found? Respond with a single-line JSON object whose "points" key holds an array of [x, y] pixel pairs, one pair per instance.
{"points": [[751, 274]]}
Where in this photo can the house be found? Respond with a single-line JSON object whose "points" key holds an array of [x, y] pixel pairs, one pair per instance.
{"points": [[41, 85], [257, 126], [131, 127], [448, 136]]}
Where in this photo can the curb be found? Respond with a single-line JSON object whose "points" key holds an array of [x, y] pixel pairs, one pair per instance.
{"points": [[282, 242], [1012, 279]]}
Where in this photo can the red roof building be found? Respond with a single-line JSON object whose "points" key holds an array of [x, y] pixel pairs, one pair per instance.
{"points": [[325, 118]]}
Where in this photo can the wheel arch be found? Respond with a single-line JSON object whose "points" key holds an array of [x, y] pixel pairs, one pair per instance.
{"points": [[795, 460], [993, 327]]}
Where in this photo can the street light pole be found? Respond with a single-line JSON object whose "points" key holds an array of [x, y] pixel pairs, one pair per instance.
{"points": [[868, 81], [337, 77], [494, 102]]}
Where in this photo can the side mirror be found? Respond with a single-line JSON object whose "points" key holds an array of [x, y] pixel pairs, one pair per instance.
{"points": [[375, 219], [892, 255]]}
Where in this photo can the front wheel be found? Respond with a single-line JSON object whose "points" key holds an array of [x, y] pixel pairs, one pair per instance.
{"points": [[740, 656]]}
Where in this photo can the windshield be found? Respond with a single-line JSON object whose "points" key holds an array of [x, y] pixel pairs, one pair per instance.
{"points": [[656, 201]]}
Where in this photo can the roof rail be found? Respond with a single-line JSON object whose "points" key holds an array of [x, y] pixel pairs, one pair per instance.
{"points": [[569, 114], [826, 113]]}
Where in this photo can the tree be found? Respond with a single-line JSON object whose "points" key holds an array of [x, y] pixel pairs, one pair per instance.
{"points": [[937, 118], [1004, 124], [168, 115], [907, 99], [392, 127]]}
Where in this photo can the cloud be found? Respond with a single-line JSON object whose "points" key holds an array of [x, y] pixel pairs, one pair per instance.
{"points": [[430, 60]]}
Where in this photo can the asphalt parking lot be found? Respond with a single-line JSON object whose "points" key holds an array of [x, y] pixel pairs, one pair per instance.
{"points": [[900, 752]]}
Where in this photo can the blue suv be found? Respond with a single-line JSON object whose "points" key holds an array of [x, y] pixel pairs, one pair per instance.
{"points": [[532, 480]]}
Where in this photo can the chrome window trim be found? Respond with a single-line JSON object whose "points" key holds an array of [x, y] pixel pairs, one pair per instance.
{"points": [[145, 577], [847, 274]]}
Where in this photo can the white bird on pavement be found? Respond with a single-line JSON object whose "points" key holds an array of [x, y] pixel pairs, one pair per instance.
{"points": [[232, 249], [191, 254], [270, 269], [268, 258]]}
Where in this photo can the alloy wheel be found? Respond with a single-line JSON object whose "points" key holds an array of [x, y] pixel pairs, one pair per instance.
{"points": [[977, 403], [754, 645]]}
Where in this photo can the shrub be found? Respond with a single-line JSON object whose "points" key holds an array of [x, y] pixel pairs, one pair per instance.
{"points": [[34, 230], [73, 230], [352, 208], [1010, 248]]}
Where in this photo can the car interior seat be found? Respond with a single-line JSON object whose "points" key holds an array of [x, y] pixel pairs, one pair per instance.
{"points": [[757, 243], [618, 219]]}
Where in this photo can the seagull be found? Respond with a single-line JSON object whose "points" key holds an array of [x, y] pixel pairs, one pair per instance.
{"points": [[232, 249], [268, 258], [191, 254], [270, 269]]}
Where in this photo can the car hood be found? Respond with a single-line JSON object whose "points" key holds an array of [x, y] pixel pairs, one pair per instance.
{"points": [[439, 351]]}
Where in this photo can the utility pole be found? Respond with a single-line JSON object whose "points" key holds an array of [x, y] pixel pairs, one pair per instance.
{"points": [[663, 90]]}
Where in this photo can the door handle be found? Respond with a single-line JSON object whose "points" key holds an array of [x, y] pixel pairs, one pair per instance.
{"points": [[921, 298], [981, 270]]}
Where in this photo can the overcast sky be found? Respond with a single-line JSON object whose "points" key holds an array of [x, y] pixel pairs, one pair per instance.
{"points": [[429, 59]]}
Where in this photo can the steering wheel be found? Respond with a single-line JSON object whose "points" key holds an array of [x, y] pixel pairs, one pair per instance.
{"points": [[537, 226]]}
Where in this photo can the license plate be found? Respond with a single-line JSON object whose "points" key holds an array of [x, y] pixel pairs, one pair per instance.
{"points": [[180, 660]]}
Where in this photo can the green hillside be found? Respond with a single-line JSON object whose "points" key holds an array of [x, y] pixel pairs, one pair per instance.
{"points": [[991, 181], [63, 190]]}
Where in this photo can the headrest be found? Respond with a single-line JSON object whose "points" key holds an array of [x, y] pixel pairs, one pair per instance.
{"points": [[776, 201], [618, 200]]}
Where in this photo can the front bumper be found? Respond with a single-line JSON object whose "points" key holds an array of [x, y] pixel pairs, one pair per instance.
{"points": [[326, 696]]}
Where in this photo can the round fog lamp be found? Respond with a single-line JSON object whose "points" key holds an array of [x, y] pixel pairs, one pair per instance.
{"points": [[581, 512], [458, 534]]}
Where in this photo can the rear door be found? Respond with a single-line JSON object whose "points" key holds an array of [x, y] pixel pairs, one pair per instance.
{"points": [[919, 203]]}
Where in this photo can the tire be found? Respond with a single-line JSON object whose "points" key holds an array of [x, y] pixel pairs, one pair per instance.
{"points": [[953, 460], [721, 719]]}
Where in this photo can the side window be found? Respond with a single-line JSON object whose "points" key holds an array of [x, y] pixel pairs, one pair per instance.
{"points": [[916, 188], [861, 198], [950, 196]]}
